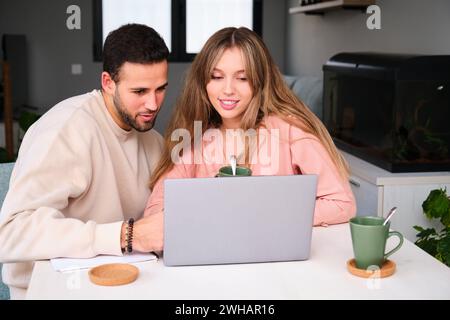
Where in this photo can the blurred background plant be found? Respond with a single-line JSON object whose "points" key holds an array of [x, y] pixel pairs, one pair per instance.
{"points": [[26, 120]]}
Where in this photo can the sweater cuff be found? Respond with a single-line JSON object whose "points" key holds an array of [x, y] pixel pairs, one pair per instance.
{"points": [[107, 238]]}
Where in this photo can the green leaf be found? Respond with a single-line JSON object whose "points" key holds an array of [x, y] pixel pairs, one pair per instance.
{"points": [[445, 220], [429, 245], [437, 205], [27, 119], [425, 233], [444, 232], [443, 249], [4, 155]]}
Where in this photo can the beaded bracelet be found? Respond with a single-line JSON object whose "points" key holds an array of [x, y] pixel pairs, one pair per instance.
{"points": [[129, 236]]}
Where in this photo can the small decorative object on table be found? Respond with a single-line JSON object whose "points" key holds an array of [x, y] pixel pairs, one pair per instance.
{"points": [[113, 274]]}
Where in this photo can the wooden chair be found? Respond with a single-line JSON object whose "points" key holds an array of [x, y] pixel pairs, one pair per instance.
{"points": [[15, 85], [8, 111]]}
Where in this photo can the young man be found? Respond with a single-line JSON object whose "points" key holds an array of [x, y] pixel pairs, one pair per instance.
{"points": [[82, 171]]}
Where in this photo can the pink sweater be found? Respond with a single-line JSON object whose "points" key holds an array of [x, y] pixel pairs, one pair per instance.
{"points": [[298, 153]]}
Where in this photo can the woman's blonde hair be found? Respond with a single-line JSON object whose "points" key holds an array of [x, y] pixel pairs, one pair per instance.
{"points": [[271, 96]]}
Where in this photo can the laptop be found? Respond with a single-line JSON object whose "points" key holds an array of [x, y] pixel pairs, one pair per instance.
{"points": [[238, 219]]}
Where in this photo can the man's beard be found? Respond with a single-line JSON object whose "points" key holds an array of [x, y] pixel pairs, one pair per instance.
{"points": [[128, 118]]}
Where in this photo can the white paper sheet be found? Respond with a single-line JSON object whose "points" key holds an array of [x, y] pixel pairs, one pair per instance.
{"points": [[69, 264]]}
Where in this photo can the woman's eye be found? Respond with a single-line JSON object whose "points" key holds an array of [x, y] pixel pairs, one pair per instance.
{"points": [[242, 79], [216, 77]]}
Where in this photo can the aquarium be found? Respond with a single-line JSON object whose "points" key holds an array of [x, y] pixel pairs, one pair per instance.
{"points": [[389, 109]]}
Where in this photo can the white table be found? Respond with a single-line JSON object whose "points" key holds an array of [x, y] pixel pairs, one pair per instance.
{"points": [[323, 276]]}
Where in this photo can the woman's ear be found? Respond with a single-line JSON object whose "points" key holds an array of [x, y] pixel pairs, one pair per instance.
{"points": [[108, 84]]}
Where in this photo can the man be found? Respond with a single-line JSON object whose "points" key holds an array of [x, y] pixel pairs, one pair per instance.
{"points": [[83, 168]]}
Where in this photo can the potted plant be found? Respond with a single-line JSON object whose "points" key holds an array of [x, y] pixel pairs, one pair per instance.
{"points": [[436, 206]]}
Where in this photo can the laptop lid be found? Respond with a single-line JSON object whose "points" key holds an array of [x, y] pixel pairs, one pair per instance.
{"points": [[238, 219]]}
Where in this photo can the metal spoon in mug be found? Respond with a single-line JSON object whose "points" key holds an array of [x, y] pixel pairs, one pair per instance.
{"points": [[390, 214], [233, 164]]}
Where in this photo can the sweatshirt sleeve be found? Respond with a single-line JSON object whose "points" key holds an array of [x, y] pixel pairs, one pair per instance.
{"points": [[335, 202], [155, 203], [50, 172]]}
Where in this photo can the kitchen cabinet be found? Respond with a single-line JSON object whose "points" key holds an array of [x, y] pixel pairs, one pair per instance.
{"points": [[377, 191]]}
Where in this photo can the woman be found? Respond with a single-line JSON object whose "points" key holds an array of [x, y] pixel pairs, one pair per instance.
{"points": [[234, 85]]}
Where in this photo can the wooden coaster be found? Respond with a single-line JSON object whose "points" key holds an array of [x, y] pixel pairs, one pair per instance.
{"points": [[113, 274], [387, 269]]}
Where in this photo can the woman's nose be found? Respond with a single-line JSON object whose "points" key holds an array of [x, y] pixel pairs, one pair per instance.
{"points": [[229, 87]]}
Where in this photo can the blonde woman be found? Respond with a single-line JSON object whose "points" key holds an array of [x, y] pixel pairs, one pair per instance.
{"points": [[235, 102]]}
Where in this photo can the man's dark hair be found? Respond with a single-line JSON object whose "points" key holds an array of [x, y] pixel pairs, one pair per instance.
{"points": [[136, 43]]}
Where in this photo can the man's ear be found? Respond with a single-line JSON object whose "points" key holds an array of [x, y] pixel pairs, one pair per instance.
{"points": [[108, 84]]}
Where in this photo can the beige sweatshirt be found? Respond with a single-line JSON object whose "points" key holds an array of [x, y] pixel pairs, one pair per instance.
{"points": [[77, 177]]}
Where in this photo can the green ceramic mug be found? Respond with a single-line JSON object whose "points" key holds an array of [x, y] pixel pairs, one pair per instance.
{"points": [[369, 238], [240, 171]]}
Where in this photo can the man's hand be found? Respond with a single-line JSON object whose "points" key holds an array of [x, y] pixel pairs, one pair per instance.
{"points": [[148, 233]]}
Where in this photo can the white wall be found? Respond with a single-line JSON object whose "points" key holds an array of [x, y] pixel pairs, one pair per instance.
{"points": [[52, 48], [274, 29], [408, 26]]}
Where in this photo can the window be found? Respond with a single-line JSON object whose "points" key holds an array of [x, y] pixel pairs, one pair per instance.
{"points": [[204, 17], [185, 25], [115, 14]]}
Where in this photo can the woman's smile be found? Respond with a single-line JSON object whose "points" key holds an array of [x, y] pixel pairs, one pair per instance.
{"points": [[228, 104]]}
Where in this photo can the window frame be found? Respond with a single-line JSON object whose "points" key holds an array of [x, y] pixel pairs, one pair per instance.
{"points": [[178, 33]]}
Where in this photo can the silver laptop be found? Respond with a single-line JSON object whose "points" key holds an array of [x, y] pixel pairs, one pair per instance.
{"points": [[238, 219]]}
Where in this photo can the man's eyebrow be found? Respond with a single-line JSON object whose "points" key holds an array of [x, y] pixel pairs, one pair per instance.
{"points": [[143, 88], [163, 86]]}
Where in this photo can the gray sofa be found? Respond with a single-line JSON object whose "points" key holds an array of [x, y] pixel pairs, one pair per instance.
{"points": [[309, 89], [5, 173]]}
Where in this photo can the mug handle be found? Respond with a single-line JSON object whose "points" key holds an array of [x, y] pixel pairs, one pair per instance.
{"points": [[400, 237]]}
